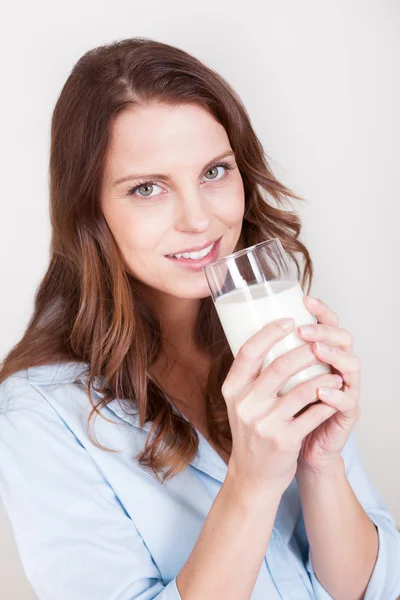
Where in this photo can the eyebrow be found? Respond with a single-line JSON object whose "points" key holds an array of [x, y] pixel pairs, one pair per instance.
{"points": [[167, 177]]}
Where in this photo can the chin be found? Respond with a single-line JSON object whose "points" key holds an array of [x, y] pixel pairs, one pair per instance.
{"points": [[192, 290]]}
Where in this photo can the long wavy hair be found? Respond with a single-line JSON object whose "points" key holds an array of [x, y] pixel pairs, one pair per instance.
{"points": [[88, 307]]}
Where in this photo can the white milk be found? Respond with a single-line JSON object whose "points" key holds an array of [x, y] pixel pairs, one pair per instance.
{"points": [[245, 311]]}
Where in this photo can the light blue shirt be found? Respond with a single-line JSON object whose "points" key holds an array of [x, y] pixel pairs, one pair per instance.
{"points": [[93, 525]]}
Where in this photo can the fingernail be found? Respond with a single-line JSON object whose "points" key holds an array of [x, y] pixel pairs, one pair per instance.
{"points": [[307, 329], [339, 380], [287, 324], [311, 300], [325, 392]]}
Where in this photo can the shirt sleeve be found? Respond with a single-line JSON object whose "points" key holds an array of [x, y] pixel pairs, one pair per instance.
{"points": [[384, 583], [74, 538]]}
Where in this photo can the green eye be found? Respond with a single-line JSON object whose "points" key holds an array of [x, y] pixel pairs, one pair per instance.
{"points": [[225, 165], [213, 169], [149, 185]]}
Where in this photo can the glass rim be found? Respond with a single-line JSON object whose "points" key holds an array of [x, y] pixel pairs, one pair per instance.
{"points": [[238, 253]]}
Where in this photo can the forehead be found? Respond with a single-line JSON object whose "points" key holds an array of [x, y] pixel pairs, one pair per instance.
{"points": [[160, 137]]}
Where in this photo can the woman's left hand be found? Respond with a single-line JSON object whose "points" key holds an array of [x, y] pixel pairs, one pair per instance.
{"points": [[322, 447]]}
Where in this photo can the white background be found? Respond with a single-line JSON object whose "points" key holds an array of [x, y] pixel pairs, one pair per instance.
{"points": [[320, 80]]}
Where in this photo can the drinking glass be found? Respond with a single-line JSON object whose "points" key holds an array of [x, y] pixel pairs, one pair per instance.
{"points": [[253, 287]]}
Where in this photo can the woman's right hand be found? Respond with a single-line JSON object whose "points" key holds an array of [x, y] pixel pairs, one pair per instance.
{"points": [[266, 435]]}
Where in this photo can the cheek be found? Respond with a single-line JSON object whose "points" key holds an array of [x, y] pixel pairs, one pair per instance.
{"points": [[137, 235], [230, 206]]}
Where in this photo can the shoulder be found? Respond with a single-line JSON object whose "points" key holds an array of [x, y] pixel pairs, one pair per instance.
{"points": [[50, 395], [53, 398], [28, 387], [55, 373]]}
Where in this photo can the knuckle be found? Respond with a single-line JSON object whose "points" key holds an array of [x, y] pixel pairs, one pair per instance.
{"points": [[276, 443], [282, 444], [241, 411], [304, 392], [226, 390], [281, 365], [259, 429], [247, 352]]}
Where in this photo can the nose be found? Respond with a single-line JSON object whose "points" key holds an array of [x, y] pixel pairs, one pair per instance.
{"points": [[192, 212]]}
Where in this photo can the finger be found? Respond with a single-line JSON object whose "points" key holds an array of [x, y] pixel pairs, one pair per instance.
{"points": [[305, 393], [280, 370], [343, 401], [310, 419], [247, 364], [261, 398], [329, 334], [323, 313], [348, 365]]}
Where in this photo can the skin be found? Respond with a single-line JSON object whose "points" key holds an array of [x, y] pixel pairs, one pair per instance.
{"points": [[195, 206]]}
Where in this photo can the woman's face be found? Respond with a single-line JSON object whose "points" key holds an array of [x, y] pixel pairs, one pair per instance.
{"points": [[192, 204]]}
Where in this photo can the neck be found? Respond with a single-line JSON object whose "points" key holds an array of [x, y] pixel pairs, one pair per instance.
{"points": [[177, 318]]}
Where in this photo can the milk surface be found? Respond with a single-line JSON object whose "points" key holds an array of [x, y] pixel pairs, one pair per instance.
{"points": [[245, 311]]}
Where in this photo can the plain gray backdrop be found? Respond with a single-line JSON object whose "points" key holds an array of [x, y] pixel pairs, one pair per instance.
{"points": [[321, 83]]}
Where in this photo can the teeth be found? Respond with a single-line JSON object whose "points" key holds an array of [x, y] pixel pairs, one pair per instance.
{"points": [[194, 255]]}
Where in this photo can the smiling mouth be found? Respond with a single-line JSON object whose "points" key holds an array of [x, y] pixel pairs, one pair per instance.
{"points": [[195, 254], [197, 260]]}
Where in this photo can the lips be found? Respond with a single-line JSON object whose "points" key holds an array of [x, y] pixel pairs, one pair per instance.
{"points": [[198, 264], [194, 248]]}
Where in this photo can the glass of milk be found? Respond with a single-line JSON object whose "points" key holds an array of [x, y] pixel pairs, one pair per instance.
{"points": [[253, 287]]}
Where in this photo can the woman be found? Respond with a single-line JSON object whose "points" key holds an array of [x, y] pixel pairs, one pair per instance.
{"points": [[196, 483]]}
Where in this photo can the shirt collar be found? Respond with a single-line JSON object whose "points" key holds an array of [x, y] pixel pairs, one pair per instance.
{"points": [[206, 459]]}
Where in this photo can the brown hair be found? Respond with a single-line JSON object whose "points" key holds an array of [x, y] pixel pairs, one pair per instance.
{"points": [[87, 307]]}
